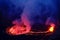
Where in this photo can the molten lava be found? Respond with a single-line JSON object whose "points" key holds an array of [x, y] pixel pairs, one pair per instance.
{"points": [[51, 29], [17, 30]]}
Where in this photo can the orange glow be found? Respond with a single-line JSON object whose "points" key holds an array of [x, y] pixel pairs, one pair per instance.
{"points": [[17, 30], [51, 29]]}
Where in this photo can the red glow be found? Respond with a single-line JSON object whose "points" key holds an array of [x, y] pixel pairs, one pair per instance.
{"points": [[17, 30], [51, 29]]}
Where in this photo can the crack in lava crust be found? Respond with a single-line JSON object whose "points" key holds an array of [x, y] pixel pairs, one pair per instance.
{"points": [[19, 30]]}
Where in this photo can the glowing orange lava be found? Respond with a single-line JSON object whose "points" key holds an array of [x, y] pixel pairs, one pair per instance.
{"points": [[17, 30], [51, 29]]}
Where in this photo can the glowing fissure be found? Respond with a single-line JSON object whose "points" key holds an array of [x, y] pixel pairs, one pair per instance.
{"points": [[51, 29], [18, 30]]}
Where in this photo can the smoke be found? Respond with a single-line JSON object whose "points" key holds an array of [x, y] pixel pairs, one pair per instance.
{"points": [[34, 10], [38, 11]]}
